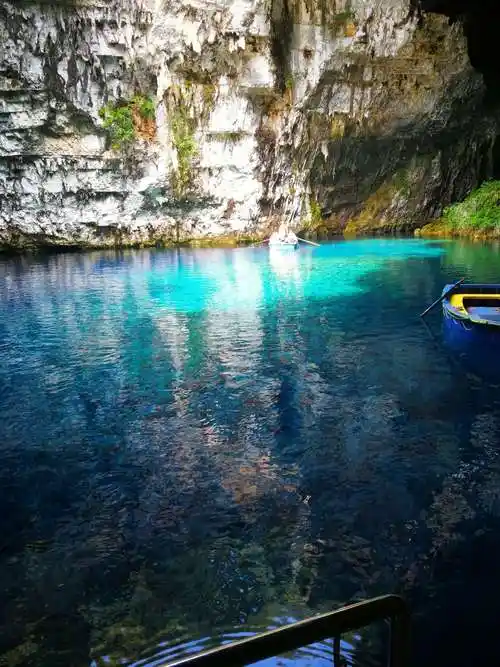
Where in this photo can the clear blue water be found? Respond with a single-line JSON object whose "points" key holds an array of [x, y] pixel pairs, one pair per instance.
{"points": [[197, 445]]}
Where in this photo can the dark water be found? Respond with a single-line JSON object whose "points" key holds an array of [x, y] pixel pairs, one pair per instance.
{"points": [[198, 445]]}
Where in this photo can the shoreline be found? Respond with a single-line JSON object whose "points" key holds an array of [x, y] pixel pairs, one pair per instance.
{"points": [[443, 230], [434, 230], [8, 250], [475, 218]]}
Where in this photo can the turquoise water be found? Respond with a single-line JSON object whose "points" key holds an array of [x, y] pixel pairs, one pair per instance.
{"points": [[198, 445]]}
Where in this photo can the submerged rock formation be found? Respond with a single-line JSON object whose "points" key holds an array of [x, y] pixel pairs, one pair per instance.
{"points": [[145, 121]]}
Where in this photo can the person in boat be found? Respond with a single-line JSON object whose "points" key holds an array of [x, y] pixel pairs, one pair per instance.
{"points": [[283, 235]]}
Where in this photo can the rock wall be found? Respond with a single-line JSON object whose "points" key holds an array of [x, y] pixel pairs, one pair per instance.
{"points": [[354, 112]]}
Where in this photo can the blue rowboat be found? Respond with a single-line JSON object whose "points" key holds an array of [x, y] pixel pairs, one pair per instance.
{"points": [[471, 328], [472, 314]]}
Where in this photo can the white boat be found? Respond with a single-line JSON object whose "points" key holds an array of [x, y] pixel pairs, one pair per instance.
{"points": [[283, 240], [283, 245]]}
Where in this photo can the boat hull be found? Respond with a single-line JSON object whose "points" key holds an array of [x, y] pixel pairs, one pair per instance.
{"points": [[463, 331], [473, 340], [283, 246], [474, 323]]}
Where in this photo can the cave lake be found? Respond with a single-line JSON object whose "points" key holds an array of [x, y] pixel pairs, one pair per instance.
{"points": [[197, 445]]}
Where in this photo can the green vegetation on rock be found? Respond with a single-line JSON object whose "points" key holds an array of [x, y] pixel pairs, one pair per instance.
{"points": [[479, 211], [344, 16], [145, 106], [315, 218], [477, 216], [185, 145], [119, 123], [373, 214], [402, 181], [337, 127], [289, 81], [127, 121], [209, 96], [345, 21], [228, 137]]}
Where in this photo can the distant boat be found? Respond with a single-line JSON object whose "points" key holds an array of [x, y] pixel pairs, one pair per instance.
{"points": [[283, 245], [284, 240], [472, 313], [287, 241]]}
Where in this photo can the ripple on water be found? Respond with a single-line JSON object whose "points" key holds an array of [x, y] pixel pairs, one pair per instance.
{"points": [[317, 654]]}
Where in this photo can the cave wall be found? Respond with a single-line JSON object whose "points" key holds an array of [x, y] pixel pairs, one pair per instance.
{"points": [[420, 139], [355, 114], [62, 183]]}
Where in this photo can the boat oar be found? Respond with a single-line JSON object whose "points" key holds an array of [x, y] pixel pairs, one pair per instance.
{"points": [[259, 243], [310, 242], [441, 298]]}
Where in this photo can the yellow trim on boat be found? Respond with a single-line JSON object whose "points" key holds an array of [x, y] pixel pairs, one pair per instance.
{"points": [[457, 300]]}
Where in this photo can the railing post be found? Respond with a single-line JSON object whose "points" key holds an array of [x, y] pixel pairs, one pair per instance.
{"points": [[336, 651], [399, 644]]}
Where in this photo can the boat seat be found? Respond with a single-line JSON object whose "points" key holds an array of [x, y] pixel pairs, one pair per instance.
{"points": [[464, 302], [488, 313]]}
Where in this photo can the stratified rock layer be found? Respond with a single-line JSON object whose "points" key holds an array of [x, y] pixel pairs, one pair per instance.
{"points": [[355, 116]]}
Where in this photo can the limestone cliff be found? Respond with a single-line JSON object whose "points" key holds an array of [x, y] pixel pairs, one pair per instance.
{"points": [[357, 112]]}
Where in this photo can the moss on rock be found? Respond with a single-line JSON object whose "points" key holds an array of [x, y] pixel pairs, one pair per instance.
{"points": [[183, 128], [127, 121], [476, 217], [373, 215]]}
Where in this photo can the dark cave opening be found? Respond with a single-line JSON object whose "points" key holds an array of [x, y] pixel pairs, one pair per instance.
{"points": [[481, 19]]}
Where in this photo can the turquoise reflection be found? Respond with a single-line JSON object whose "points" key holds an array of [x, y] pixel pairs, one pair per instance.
{"points": [[257, 278]]}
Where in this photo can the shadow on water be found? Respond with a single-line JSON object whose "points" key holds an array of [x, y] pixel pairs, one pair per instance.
{"points": [[197, 445]]}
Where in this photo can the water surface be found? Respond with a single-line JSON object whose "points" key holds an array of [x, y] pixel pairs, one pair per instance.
{"points": [[198, 445]]}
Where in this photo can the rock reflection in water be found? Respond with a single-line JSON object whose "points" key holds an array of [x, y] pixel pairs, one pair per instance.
{"points": [[197, 443]]}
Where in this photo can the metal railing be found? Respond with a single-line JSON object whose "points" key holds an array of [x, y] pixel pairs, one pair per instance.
{"points": [[326, 626]]}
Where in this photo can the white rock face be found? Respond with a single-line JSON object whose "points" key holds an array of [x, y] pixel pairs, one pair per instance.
{"points": [[60, 63]]}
